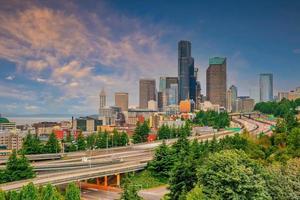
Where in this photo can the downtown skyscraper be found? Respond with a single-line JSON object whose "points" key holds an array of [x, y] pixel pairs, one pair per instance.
{"points": [[147, 92], [266, 87], [216, 81], [186, 72]]}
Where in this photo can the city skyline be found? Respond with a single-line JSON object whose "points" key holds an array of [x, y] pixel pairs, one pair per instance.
{"points": [[95, 49]]}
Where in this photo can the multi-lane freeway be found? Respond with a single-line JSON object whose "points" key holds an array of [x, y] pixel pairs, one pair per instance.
{"points": [[91, 164]]}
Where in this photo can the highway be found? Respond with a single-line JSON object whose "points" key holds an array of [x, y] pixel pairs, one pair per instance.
{"points": [[109, 162]]}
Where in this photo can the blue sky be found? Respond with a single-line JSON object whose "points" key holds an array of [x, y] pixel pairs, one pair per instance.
{"points": [[55, 56]]}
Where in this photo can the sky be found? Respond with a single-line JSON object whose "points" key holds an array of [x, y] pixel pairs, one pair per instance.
{"points": [[56, 56]]}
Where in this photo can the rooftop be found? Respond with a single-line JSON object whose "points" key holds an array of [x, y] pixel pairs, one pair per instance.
{"points": [[3, 120], [217, 61]]}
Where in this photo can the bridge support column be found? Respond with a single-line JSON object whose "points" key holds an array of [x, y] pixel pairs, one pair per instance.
{"points": [[105, 181], [118, 179], [98, 181]]}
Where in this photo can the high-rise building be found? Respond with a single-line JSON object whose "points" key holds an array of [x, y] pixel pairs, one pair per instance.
{"points": [[160, 101], [254, 94], [121, 100], [229, 101], [102, 98], [186, 72], [234, 95], [165, 84], [147, 92], [245, 104], [216, 81], [266, 87], [173, 94]]}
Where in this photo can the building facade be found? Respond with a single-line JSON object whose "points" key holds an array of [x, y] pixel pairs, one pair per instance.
{"points": [[186, 72], [121, 100], [216, 81], [266, 87], [234, 95], [147, 92], [245, 104]]}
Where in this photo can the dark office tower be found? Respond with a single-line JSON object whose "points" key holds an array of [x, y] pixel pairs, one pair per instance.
{"points": [[147, 92], [216, 81], [160, 101], [186, 72]]}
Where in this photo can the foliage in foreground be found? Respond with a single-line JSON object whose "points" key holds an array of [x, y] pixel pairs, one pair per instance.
{"points": [[239, 167], [49, 192]]}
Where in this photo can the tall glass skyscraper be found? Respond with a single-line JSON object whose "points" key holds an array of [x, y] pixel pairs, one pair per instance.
{"points": [[266, 87], [186, 72]]}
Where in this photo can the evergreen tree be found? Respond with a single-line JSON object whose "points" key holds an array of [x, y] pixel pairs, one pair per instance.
{"points": [[141, 133], [29, 192], [31, 144], [182, 177], [129, 192], [18, 168], [72, 192], [124, 140], [91, 141], [164, 132], [50, 193], [81, 143], [116, 138], [163, 161], [52, 145]]}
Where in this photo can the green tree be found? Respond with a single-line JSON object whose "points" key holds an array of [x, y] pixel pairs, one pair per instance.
{"points": [[293, 142], [196, 194], [13, 195], [164, 132], [231, 174], [129, 192], [81, 143], [29, 192], [18, 168], [31, 144], [52, 145], [2, 195], [182, 176], [141, 133], [72, 192], [283, 181], [163, 161], [50, 193], [124, 140], [91, 141]]}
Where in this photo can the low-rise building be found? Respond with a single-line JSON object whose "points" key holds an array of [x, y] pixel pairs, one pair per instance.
{"points": [[88, 124], [245, 104], [207, 106], [11, 139]]}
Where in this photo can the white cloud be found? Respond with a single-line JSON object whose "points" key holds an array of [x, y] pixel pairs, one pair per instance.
{"points": [[10, 78], [69, 50]]}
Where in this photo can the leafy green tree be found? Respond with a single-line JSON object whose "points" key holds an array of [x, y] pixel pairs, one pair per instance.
{"points": [[196, 194], [2, 195], [283, 181], [163, 161], [293, 142], [31, 144], [72, 192], [13, 195], [81, 143], [129, 192], [141, 133], [52, 145], [102, 140], [231, 174], [29, 192]]}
